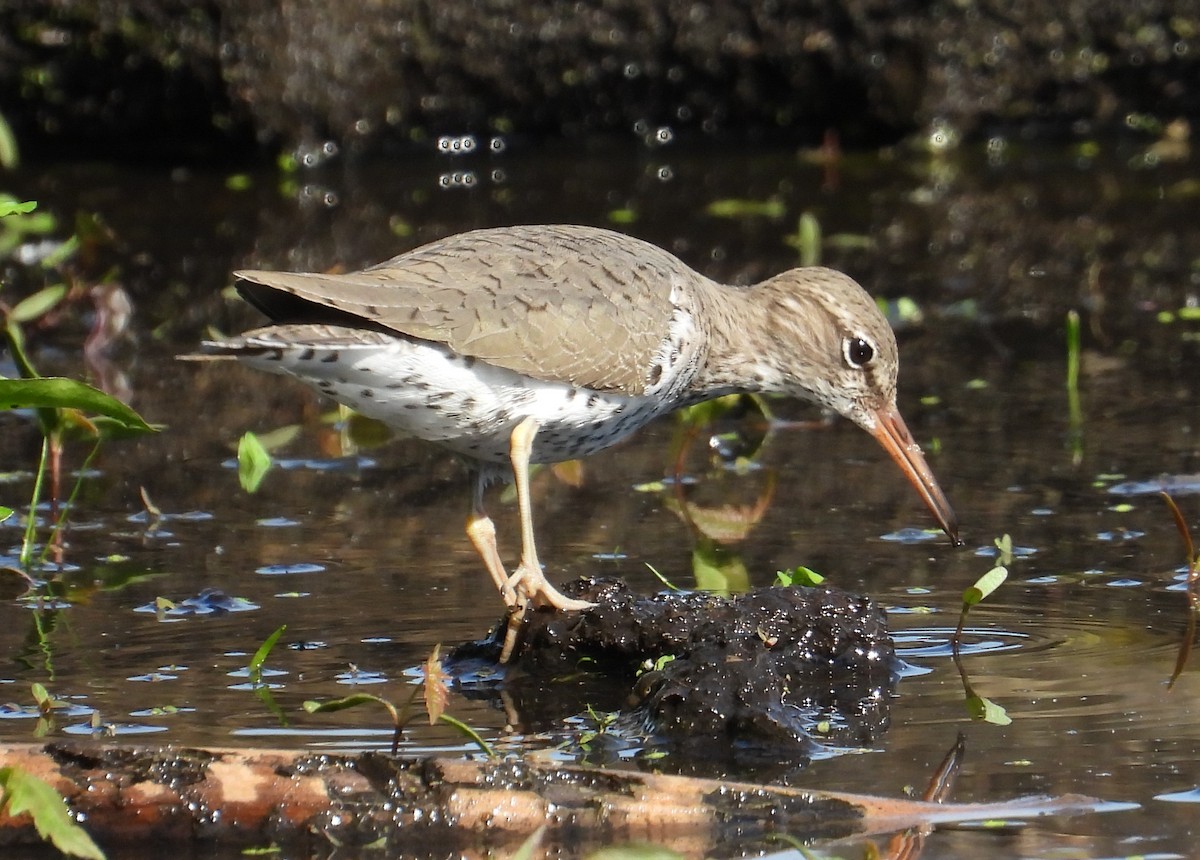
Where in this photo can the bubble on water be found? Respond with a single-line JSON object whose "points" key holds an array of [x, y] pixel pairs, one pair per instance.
{"points": [[458, 179], [942, 137], [311, 155], [461, 144]]}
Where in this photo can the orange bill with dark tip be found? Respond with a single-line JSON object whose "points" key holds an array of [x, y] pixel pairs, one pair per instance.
{"points": [[892, 433]]}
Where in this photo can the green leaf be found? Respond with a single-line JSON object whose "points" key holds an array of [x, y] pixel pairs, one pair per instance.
{"points": [[5, 513], [985, 585], [10, 152], [334, 705], [61, 254], [260, 656], [1005, 546], [32, 307], [708, 411], [807, 239], [24, 792], [56, 392], [467, 731], [353, 701], [111, 428], [849, 242], [275, 439], [718, 569], [12, 207], [798, 576], [253, 462], [41, 696], [736, 208], [984, 710]]}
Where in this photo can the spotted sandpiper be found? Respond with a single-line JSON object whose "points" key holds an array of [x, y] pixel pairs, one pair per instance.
{"points": [[538, 344]]}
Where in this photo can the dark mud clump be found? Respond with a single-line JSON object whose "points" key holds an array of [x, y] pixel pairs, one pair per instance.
{"points": [[802, 668]]}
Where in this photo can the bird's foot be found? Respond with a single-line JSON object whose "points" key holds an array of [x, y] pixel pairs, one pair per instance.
{"points": [[528, 585]]}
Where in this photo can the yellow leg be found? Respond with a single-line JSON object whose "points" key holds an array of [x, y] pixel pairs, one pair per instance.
{"points": [[528, 579], [482, 532], [527, 584]]}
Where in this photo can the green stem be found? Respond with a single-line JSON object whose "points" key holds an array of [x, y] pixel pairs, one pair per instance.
{"points": [[61, 520], [31, 516], [1074, 409]]}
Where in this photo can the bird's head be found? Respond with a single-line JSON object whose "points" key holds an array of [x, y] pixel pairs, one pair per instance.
{"points": [[829, 343]]}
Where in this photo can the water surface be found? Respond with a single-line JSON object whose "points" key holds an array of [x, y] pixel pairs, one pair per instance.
{"points": [[359, 549]]}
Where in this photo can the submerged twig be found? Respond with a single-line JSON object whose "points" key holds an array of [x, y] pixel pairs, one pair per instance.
{"points": [[909, 844], [1193, 589]]}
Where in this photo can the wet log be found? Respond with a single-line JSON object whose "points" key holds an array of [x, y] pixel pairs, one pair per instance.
{"points": [[241, 797]]}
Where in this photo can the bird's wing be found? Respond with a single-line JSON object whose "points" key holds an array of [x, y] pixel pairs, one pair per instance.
{"points": [[572, 304]]}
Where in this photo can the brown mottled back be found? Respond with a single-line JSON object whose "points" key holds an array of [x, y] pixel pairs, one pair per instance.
{"points": [[570, 304]]}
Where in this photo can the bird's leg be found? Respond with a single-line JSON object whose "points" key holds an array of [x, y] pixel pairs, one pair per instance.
{"points": [[482, 533], [528, 581]]}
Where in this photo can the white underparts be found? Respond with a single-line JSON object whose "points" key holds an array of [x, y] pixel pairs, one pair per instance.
{"points": [[425, 390]]}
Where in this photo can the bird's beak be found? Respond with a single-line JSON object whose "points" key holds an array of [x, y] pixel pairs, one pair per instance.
{"points": [[892, 433]]}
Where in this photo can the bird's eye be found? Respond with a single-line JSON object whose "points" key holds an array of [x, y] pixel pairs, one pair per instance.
{"points": [[858, 351]]}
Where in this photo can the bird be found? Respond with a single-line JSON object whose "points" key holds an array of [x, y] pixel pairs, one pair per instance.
{"points": [[543, 343]]}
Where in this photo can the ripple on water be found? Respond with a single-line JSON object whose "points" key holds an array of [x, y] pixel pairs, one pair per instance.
{"points": [[991, 551], [1061, 657], [295, 567], [1176, 485], [210, 601], [1191, 795], [316, 464], [935, 641], [106, 730], [911, 535]]}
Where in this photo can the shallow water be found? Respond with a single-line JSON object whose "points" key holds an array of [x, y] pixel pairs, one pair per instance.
{"points": [[360, 552]]}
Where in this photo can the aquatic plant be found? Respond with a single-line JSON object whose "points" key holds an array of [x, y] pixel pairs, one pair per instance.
{"points": [[63, 407]]}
